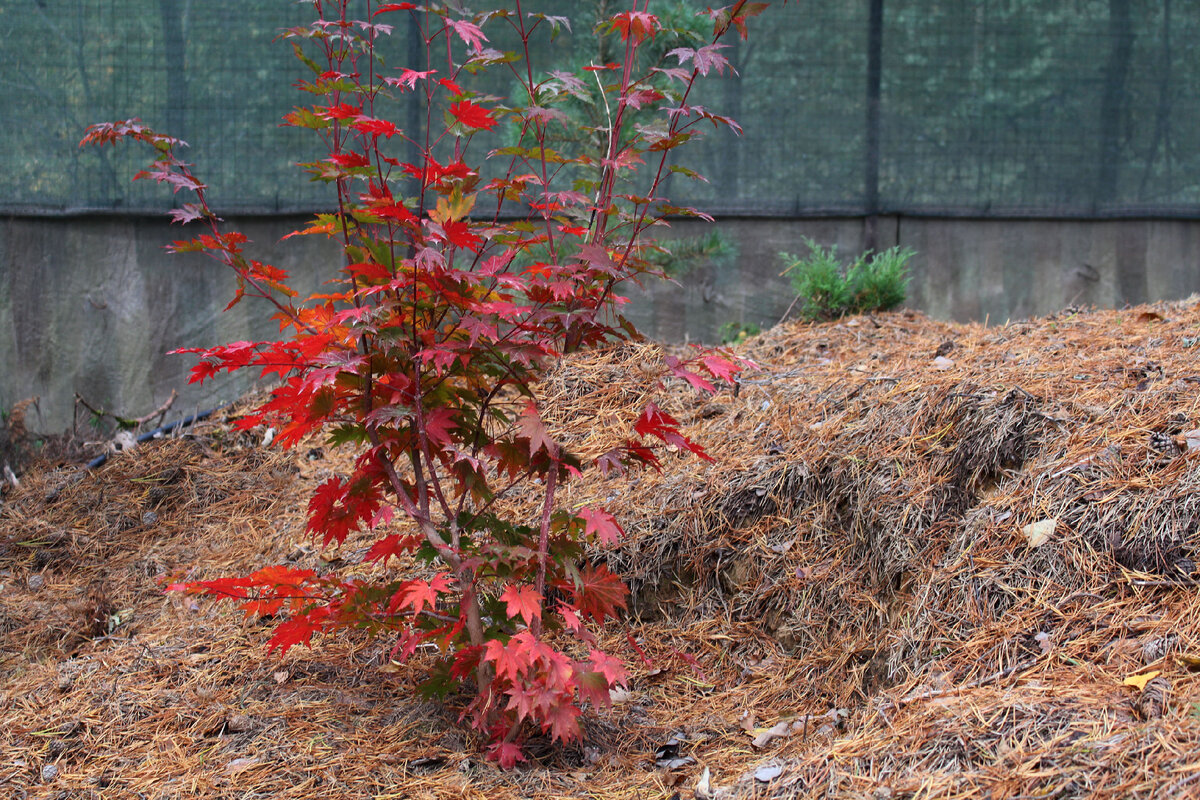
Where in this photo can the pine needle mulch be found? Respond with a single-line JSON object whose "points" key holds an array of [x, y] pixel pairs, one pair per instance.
{"points": [[930, 561]]}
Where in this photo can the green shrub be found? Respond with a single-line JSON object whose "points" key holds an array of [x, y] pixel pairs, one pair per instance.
{"points": [[829, 290], [738, 332]]}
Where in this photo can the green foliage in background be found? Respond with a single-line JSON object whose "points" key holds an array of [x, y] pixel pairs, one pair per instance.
{"points": [[677, 257], [829, 290], [734, 333]]}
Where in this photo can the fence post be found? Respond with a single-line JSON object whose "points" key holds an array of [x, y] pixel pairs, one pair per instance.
{"points": [[874, 81]]}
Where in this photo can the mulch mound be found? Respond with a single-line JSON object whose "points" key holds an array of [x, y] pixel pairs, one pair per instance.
{"points": [[931, 560]]}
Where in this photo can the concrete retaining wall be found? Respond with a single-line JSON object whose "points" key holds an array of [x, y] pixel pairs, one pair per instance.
{"points": [[92, 305]]}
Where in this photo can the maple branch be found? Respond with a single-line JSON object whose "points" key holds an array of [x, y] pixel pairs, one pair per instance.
{"points": [[543, 550], [470, 600], [128, 422]]}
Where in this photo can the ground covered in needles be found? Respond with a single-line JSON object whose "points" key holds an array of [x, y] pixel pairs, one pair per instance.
{"points": [[931, 560]]}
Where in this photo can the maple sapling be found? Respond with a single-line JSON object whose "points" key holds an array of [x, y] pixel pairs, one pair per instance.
{"points": [[452, 302]]}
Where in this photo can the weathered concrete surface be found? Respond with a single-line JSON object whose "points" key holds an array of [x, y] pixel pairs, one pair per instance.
{"points": [[997, 270], [92, 305]]}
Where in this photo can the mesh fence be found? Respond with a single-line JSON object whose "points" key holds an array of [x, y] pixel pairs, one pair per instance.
{"points": [[1072, 108]]}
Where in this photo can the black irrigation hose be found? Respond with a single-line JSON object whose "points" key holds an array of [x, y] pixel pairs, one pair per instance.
{"points": [[162, 430]]}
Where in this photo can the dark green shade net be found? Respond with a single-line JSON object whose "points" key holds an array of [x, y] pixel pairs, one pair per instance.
{"points": [[989, 108]]}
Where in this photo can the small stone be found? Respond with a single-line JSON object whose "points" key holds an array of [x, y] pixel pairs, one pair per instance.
{"points": [[49, 772], [35, 583], [149, 518]]}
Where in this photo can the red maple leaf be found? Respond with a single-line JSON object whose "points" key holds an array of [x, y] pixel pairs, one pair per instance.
{"points": [[530, 426], [658, 423], [721, 368], [639, 97], [337, 508], [611, 668], [511, 660], [598, 522], [593, 688], [653, 421], [524, 601], [393, 211], [507, 754], [417, 593], [375, 127], [408, 77], [391, 545], [598, 594], [677, 369], [468, 32], [451, 86], [574, 623], [459, 234], [560, 719], [638, 24], [349, 160], [439, 423], [298, 630], [386, 7], [434, 172], [340, 111], [186, 213], [473, 116]]}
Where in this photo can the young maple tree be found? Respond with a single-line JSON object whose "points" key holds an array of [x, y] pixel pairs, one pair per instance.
{"points": [[427, 355]]}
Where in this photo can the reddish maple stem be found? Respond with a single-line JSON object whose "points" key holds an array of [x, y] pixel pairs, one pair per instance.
{"points": [[544, 541], [540, 137], [469, 605], [673, 126]]}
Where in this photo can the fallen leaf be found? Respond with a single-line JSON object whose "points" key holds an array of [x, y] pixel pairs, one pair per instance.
{"points": [[767, 774], [1038, 533], [704, 786], [667, 755], [764, 736], [240, 765], [781, 549], [618, 695], [814, 571], [1043, 640], [1141, 680], [1191, 662], [794, 725]]}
